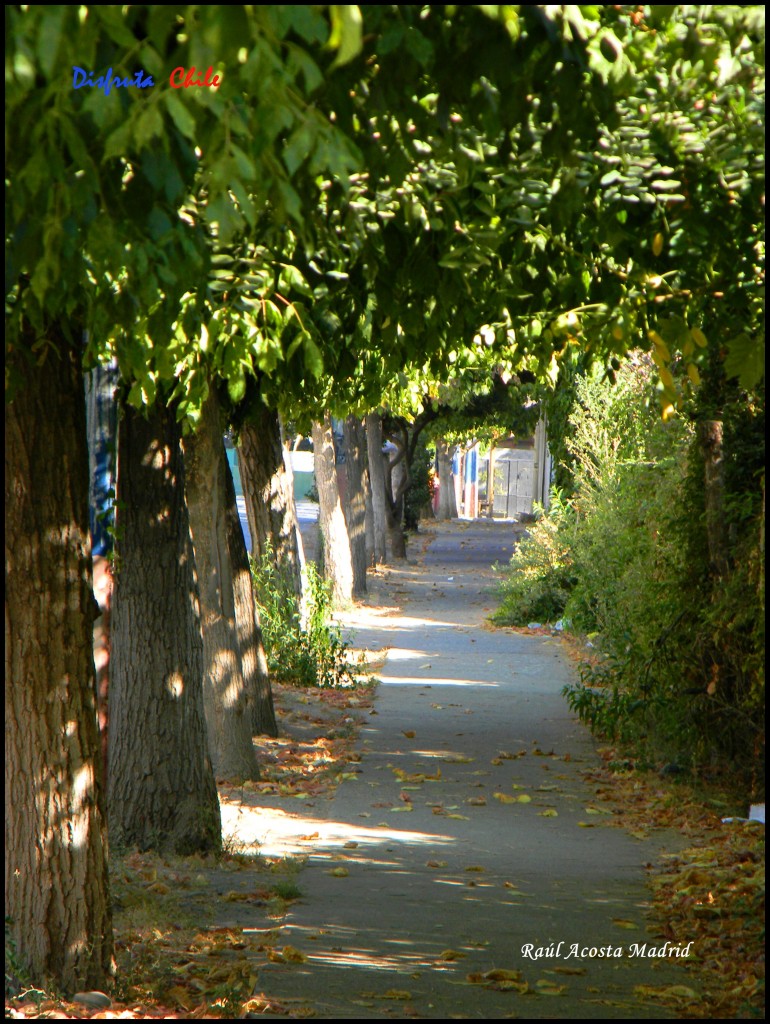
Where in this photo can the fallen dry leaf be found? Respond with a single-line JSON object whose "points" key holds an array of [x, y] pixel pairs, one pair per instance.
{"points": [[549, 988], [504, 798]]}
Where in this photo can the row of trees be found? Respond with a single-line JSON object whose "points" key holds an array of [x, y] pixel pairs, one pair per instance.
{"points": [[372, 202]]}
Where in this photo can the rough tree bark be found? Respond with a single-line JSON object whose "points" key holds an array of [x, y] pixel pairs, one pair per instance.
{"points": [[369, 506], [268, 490], [710, 437], [336, 547], [378, 484], [161, 789], [256, 677], [447, 502], [228, 707], [56, 888], [396, 483], [355, 502]]}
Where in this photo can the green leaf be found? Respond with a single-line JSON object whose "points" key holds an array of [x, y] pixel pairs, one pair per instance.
{"points": [[118, 141], [236, 386], [745, 360], [49, 39], [313, 358], [180, 115], [345, 36], [148, 126]]}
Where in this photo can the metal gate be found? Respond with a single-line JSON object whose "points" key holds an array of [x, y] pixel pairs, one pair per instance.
{"points": [[513, 477]]}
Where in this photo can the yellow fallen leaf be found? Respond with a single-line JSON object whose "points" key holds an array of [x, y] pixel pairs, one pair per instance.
{"points": [[570, 970], [406, 807], [504, 798], [351, 845], [457, 759], [436, 864], [549, 813], [549, 988], [475, 867], [338, 872], [292, 955], [623, 923], [182, 996], [451, 954], [522, 987], [477, 801], [409, 733], [498, 974], [459, 817], [681, 992], [587, 824], [395, 993], [524, 799]]}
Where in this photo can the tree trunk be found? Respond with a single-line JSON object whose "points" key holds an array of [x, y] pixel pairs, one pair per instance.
{"points": [[268, 490], [355, 503], [161, 789], [227, 704], [378, 485], [395, 523], [336, 546], [56, 886], [256, 677], [447, 502], [396, 482], [369, 506], [710, 437]]}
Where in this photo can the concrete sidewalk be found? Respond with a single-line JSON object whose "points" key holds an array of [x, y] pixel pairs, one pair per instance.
{"points": [[470, 837]]}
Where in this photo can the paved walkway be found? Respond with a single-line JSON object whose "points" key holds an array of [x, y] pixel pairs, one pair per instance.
{"points": [[470, 833]]}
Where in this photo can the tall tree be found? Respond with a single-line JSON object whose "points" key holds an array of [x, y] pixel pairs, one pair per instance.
{"points": [[447, 502], [377, 477], [256, 678], [338, 566], [354, 505], [229, 706], [56, 893], [268, 491], [161, 791]]}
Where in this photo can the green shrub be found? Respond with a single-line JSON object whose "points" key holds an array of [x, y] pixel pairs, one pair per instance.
{"points": [[537, 583], [418, 494], [309, 654], [677, 667]]}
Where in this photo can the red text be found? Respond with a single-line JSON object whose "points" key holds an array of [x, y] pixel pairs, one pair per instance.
{"points": [[182, 79]]}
